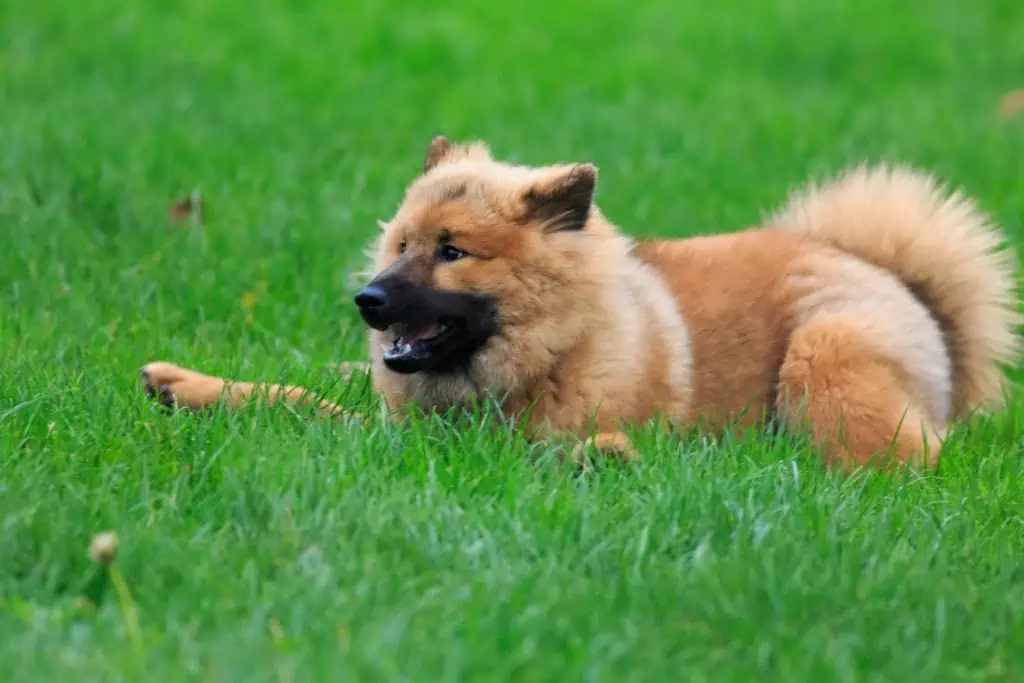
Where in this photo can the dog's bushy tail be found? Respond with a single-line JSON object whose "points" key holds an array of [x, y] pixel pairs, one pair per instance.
{"points": [[942, 247]]}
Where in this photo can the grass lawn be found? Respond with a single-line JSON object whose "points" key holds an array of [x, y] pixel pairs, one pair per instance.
{"points": [[264, 546]]}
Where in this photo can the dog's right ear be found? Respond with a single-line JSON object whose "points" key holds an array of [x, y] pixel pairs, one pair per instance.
{"points": [[444, 151], [440, 147]]}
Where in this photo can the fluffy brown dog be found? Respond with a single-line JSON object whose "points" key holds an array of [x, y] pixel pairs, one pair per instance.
{"points": [[872, 311]]}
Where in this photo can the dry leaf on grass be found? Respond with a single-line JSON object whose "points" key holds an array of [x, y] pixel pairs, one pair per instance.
{"points": [[1012, 103], [187, 209]]}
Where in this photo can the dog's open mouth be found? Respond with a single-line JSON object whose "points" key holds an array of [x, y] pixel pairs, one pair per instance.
{"points": [[423, 329], [415, 348]]}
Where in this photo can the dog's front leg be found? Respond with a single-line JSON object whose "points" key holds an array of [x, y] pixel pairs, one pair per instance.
{"points": [[615, 444], [176, 386]]}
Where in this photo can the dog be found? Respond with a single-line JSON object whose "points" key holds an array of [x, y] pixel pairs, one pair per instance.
{"points": [[871, 311]]}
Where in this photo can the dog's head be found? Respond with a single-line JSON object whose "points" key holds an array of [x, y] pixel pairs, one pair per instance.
{"points": [[487, 269]]}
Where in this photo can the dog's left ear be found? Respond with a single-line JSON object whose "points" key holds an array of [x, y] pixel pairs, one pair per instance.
{"points": [[561, 197]]}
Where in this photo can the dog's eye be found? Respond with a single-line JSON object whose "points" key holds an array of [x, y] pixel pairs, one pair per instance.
{"points": [[401, 247], [449, 253]]}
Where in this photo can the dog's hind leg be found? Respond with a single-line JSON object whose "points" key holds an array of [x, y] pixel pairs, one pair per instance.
{"points": [[857, 403], [176, 386]]}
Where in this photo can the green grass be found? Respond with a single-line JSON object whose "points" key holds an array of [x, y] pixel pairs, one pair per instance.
{"points": [[259, 545]]}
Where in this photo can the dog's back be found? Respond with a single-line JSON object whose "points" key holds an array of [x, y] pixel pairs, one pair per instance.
{"points": [[726, 287], [873, 301]]}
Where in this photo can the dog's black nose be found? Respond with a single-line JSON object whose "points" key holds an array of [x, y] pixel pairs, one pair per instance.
{"points": [[371, 297]]}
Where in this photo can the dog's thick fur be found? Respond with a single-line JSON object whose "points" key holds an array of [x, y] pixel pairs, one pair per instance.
{"points": [[872, 310]]}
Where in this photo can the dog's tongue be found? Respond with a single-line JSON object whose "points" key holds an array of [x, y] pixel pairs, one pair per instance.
{"points": [[422, 333]]}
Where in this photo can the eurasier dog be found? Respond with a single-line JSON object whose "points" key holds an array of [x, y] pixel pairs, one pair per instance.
{"points": [[871, 311]]}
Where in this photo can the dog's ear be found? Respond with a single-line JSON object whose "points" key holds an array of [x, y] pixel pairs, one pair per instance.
{"points": [[440, 147], [561, 198], [444, 151]]}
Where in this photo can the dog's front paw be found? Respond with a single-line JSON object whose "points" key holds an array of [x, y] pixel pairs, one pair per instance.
{"points": [[614, 444], [174, 386]]}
